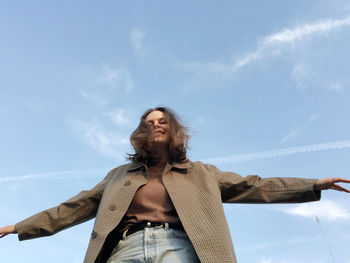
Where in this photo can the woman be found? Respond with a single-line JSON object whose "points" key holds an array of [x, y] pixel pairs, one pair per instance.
{"points": [[161, 207]]}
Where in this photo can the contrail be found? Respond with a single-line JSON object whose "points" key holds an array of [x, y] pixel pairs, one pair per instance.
{"points": [[61, 175], [58, 175], [279, 152], [270, 45], [290, 35]]}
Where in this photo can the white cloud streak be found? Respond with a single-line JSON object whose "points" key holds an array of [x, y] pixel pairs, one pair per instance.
{"points": [[299, 129], [95, 97], [270, 44], [279, 152], [273, 45], [120, 117], [94, 137], [117, 78], [57, 175], [301, 75], [265, 260], [106, 142], [278, 243], [336, 86], [300, 32], [325, 210], [137, 37], [106, 85], [290, 135]]}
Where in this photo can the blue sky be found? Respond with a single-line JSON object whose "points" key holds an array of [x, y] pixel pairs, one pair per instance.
{"points": [[263, 86]]}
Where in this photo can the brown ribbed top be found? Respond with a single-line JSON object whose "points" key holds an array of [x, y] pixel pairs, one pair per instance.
{"points": [[151, 201]]}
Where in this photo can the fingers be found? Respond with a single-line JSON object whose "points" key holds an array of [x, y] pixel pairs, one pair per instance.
{"points": [[331, 183], [3, 235], [340, 188], [339, 180], [342, 180]]}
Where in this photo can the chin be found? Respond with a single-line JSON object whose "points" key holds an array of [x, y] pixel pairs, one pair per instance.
{"points": [[159, 142]]}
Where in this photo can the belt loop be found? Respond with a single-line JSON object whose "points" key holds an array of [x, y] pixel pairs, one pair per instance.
{"points": [[166, 226], [124, 234], [161, 225]]}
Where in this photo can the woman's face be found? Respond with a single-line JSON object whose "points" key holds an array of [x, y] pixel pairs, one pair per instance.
{"points": [[159, 128]]}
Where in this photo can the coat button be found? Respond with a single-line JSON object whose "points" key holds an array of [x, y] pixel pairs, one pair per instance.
{"points": [[112, 207], [93, 235], [127, 183]]}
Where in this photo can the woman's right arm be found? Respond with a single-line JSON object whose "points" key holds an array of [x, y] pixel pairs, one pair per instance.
{"points": [[76, 210]]}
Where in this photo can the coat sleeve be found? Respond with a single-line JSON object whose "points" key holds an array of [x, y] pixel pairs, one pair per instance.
{"points": [[254, 189], [75, 210]]}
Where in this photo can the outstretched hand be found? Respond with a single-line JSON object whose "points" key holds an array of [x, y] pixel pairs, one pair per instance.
{"points": [[331, 183], [4, 231]]}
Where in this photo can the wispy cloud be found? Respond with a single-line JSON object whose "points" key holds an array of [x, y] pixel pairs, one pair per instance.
{"points": [[277, 243], [109, 143], [295, 260], [94, 97], [105, 88], [279, 152], [57, 175], [299, 129], [137, 37], [273, 45], [326, 209], [117, 78], [336, 86], [300, 32], [106, 84], [265, 260], [305, 75], [201, 120], [301, 74], [120, 116]]}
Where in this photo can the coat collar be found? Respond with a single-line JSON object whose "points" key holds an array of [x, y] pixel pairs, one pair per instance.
{"points": [[181, 166], [134, 166]]}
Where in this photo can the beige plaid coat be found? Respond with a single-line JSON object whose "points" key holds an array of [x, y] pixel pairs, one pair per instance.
{"points": [[197, 191]]}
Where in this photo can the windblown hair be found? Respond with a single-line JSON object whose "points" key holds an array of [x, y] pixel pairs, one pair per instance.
{"points": [[178, 137]]}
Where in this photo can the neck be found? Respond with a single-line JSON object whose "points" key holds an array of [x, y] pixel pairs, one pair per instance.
{"points": [[160, 155]]}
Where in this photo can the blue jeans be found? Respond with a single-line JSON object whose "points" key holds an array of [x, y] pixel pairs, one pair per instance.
{"points": [[155, 245]]}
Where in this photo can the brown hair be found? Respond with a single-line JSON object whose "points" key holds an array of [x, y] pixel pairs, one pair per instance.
{"points": [[178, 137]]}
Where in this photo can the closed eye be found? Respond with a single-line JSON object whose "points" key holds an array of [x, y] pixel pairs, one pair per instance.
{"points": [[163, 121]]}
